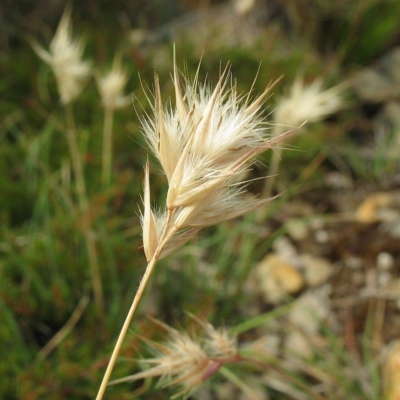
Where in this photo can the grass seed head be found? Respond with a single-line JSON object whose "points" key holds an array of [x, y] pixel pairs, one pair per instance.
{"points": [[111, 86], [220, 343], [204, 143], [186, 362], [65, 59], [307, 103]]}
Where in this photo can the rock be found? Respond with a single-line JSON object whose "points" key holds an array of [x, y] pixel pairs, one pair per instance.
{"points": [[285, 249], [338, 180], [391, 372], [384, 261], [322, 236], [243, 7], [277, 278], [297, 344], [311, 309], [367, 212], [297, 229], [316, 269]]}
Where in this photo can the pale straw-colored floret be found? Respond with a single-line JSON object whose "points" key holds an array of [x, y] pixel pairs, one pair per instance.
{"points": [[307, 103], [65, 59], [220, 343], [186, 362], [153, 225], [111, 86], [179, 362], [204, 144]]}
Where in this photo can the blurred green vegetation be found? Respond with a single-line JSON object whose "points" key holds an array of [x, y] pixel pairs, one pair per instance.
{"points": [[43, 260]]}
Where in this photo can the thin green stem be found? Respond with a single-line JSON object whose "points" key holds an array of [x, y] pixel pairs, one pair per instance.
{"points": [[169, 231], [261, 320], [107, 147], [76, 160], [83, 201]]}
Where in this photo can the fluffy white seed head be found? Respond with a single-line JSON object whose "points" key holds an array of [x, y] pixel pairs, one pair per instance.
{"points": [[220, 343], [307, 103], [65, 59], [204, 143], [178, 362], [111, 86], [186, 362]]}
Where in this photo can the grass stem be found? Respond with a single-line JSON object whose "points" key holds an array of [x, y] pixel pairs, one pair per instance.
{"points": [[169, 231], [83, 201], [107, 147], [64, 331], [125, 327]]}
